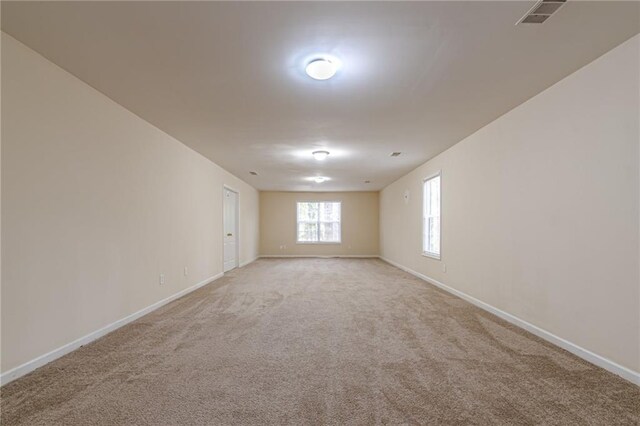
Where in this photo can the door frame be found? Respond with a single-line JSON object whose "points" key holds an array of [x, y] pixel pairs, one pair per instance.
{"points": [[225, 188]]}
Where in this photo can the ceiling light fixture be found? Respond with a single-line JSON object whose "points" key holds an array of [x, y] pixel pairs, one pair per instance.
{"points": [[320, 179], [321, 69], [320, 155]]}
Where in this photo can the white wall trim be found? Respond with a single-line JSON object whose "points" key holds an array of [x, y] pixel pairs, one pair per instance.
{"points": [[246, 262], [607, 364], [322, 256], [600, 361], [38, 362]]}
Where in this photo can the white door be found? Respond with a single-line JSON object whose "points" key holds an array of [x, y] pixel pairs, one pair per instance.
{"points": [[230, 229]]}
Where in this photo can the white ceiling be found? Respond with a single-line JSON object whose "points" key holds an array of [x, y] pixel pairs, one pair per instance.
{"points": [[227, 79]]}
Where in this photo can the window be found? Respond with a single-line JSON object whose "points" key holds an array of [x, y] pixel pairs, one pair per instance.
{"points": [[318, 222], [431, 217]]}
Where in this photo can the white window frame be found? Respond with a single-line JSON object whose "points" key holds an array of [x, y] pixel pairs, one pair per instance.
{"points": [[437, 256], [318, 242]]}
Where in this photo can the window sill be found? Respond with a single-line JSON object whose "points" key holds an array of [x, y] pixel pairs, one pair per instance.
{"points": [[318, 242], [431, 255]]}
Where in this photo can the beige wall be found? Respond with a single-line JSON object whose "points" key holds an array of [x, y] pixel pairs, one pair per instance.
{"points": [[359, 224], [540, 210], [96, 203]]}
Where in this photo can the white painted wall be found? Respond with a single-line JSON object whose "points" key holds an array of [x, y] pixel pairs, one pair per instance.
{"points": [[540, 210], [96, 203]]}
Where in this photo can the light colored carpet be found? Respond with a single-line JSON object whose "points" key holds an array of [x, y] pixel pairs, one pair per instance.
{"points": [[319, 341]]}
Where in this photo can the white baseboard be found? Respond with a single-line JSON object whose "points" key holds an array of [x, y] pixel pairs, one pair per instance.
{"points": [[328, 256], [600, 361], [245, 263], [607, 364], [38, 362]]}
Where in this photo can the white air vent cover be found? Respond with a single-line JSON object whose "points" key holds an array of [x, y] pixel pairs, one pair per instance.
{"points": [[541, 11]]}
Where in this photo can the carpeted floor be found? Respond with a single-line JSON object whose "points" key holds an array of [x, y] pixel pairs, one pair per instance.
{"points": [[319, 341]]}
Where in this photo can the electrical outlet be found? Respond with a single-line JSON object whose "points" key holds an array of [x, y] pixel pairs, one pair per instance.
{"points": [[444, 268], [161, 279], [186, 271]]}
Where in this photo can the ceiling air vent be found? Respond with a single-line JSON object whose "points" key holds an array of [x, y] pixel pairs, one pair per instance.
{"points": [[395, 154], [253, 173], [541, 11]]}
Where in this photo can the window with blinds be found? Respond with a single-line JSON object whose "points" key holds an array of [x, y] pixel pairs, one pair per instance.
{"points": [[431, 217], [318, 222]]}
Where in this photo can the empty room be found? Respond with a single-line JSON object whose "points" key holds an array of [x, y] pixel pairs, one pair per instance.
{"points": [[320, 213]]}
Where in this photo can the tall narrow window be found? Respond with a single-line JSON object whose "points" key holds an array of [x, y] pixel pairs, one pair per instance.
{"points": [[431, 217], [318, 222]]}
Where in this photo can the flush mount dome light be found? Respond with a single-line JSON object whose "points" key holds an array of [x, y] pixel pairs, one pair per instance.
{"points": [[320, 179], [320, 155], [321, 69]]}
